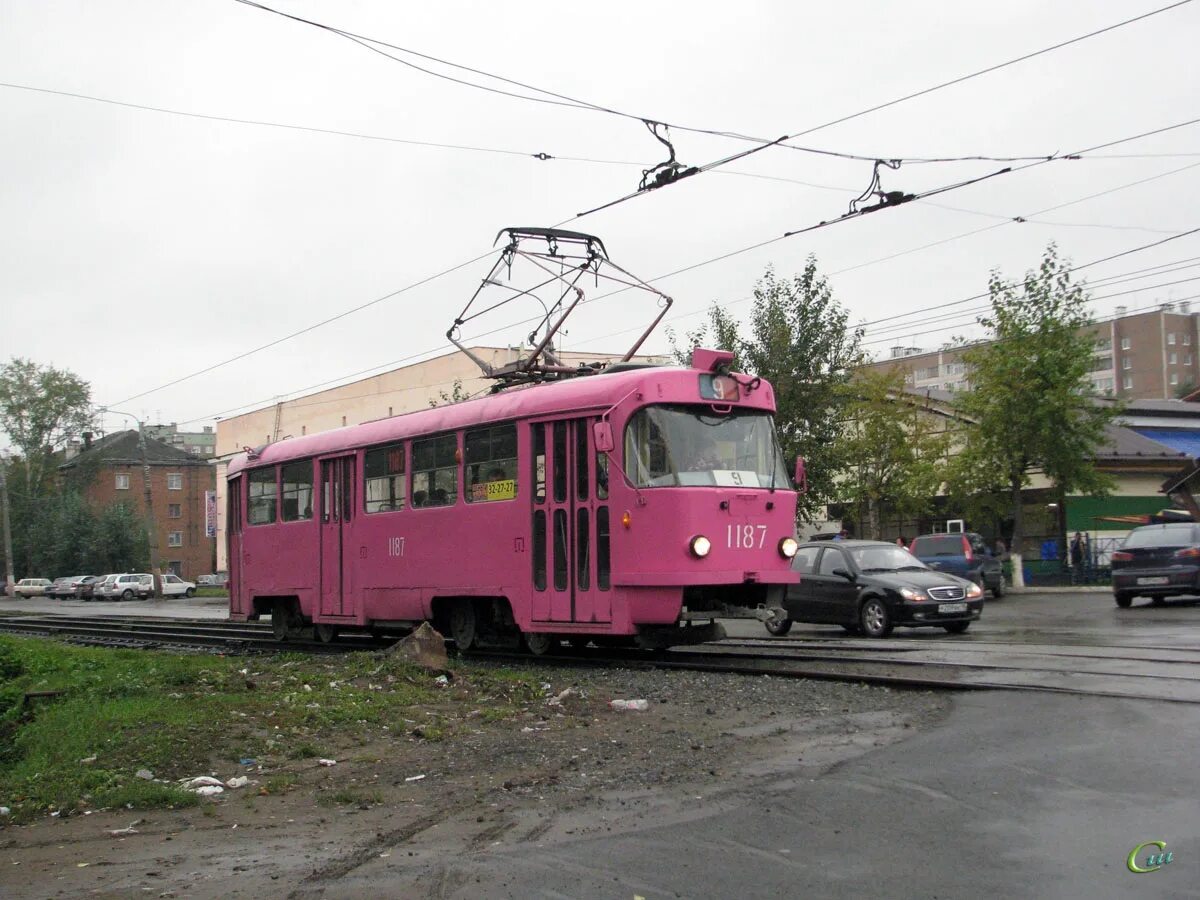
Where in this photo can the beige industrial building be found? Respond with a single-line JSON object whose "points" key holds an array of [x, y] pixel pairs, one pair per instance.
{"points": [[402, 390]]}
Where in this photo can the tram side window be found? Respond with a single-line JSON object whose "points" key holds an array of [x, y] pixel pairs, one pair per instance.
{"points": [[385, 477], [435, 471], [491, 464], [539, 462], [297, 491], [263, 497]]}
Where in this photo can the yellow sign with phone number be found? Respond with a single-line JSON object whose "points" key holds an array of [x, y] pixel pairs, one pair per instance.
{"points": [[495, 490]]}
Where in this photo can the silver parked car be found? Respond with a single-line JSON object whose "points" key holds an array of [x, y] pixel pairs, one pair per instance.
{"points": [[125, 587]]}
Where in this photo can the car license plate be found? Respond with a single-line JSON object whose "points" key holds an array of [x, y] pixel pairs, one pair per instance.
{"points": [[1157, 579], [952, 607]]}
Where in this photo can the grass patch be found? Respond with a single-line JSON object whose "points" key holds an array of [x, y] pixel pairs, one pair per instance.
{"points": [[205, 590], [347, 797], [117, 711]]}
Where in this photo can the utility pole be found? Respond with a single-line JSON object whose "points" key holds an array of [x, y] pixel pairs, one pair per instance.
{"points": [[8, 558], [150, 531]]}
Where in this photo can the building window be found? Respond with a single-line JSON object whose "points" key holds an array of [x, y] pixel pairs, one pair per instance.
{"points": [[1172, 358], [174, 511], [1101, 363], [435, 471], [1187, 340], [175, 567], [1125, 343], [492, 463], [1103, 345], [122, 482], [174, 481], [1174, 378], [297, 491], [931, 372], [1171, 338], [1127, 382], [385, 476], [1103, 385], [1126, 363], [1187, 360], [263, 498], [175, 539]]}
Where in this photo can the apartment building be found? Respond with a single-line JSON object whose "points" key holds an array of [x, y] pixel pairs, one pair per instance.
{"points": [[199, 443], [1145, 356], [111, 469]]}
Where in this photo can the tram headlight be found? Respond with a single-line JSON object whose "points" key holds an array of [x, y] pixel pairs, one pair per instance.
{"points": [[699, 546], [788, 547]]}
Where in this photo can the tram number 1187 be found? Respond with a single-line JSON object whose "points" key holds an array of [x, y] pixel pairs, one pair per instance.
{"points": [[745, 537], [395, 546]]}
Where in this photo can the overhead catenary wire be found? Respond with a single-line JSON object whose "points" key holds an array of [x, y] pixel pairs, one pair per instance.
{"points": [[707, 262], [556, 98], [685, 269]]}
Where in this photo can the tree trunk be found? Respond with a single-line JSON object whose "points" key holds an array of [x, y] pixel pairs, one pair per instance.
{"points": [[873, 518], [1018, 570]]}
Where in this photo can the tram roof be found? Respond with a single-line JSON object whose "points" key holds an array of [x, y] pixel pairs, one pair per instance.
{"points": [[583, 394]]}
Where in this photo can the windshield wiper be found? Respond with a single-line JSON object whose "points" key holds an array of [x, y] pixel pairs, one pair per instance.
{"points": [[912, 568], [877, 569]]}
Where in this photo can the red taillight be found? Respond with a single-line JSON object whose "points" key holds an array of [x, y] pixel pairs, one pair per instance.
{"points": [[1121, 556], [967, 550], [1189, 552]]}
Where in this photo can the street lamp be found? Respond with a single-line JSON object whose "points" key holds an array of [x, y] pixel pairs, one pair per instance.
{"points": [[154, 567]]}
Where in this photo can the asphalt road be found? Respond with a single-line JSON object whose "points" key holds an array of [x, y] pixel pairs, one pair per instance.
{"points": [[1013, 795]]}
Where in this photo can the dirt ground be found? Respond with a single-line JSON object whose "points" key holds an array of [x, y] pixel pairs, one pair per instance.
{"points": [[398, 818]]}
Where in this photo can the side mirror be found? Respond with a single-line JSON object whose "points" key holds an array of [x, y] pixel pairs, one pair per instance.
{"points": [[602, 436], [844, 573], [800, 476]]}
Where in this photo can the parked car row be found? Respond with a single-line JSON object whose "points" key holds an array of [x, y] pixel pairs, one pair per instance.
{"points": [[118, 586]]}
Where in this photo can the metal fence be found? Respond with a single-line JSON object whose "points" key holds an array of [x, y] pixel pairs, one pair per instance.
{"points": [[1056, 570]]}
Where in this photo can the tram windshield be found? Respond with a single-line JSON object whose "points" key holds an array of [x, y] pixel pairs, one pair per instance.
{"points": [[692, 446]]}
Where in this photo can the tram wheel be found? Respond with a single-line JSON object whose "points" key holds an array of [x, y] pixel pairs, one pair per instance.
{"points": [[284, 620], [778, 627], [326, 633], [539, 643], [464, 625]]}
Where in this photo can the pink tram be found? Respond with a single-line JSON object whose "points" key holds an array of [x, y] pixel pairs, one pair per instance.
{"points": [[638, 504]]}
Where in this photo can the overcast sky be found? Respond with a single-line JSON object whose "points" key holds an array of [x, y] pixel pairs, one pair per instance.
{"points": [[137, 247]]}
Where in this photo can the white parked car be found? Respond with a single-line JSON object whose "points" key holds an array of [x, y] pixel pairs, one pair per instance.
{"points": [[174, 586], [124, 587], [31, 587]]}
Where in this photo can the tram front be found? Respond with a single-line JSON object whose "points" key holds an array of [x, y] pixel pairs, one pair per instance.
{"points": [[708, 528]]}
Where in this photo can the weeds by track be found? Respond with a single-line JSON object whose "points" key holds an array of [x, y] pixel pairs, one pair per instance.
{"points": [[1044, 668]]}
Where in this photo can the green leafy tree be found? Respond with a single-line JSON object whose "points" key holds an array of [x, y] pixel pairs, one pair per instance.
{"points": [[41, 408], [120, 543], [455, 395], [894, 450], [1030, 402], [798, 339]]}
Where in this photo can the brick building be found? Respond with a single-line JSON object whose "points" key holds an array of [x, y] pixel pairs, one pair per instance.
{"points": [[111, 470], [1146, 356]]}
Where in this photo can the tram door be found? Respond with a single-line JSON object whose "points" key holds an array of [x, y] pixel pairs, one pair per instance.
{"points": [[337, 511], [570, 524], [233, 542]]}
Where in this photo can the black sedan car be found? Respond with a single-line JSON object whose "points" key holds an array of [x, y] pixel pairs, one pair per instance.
{"points": [[870, 587], [1157, 561]]}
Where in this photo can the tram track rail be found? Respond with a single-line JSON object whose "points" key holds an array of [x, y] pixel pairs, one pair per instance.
{"points": [[1119, 672]]}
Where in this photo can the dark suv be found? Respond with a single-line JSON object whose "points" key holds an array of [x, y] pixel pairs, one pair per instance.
{"points": [[964, 555]]}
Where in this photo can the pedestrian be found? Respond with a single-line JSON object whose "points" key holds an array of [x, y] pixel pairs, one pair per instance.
{"points": [[902, 541], [1078, 547], [841, 535]]}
